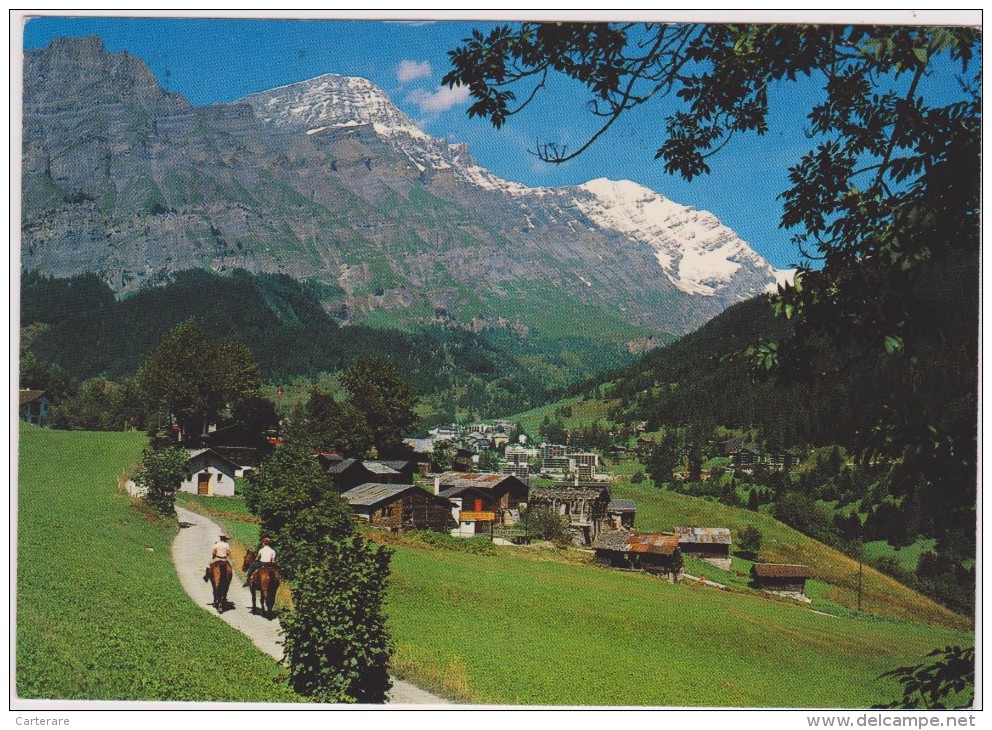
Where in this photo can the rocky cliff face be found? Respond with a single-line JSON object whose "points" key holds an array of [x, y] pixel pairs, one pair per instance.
{"points": [[327, 179]]}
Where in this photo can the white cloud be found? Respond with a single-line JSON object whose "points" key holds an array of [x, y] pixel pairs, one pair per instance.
{"points": [[439, 100], [408, 71]]}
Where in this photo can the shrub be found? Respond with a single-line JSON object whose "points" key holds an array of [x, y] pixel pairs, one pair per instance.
{"points": [[547, 525], [298, 509], [473, 545], [159, 477], [336, 643], [749, 540]]}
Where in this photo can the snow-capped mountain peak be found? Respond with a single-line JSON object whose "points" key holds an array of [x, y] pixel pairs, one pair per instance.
{"points": [[695, 251]]}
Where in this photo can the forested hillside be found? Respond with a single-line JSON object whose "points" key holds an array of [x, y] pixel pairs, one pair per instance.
{"points": [[78, 325]]}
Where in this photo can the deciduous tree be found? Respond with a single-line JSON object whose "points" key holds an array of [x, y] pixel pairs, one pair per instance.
{"points": [[384, 398], [195, 378]]}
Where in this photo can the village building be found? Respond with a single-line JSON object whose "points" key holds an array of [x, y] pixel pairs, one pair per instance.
{"points": [[709, 544], [504, 493], [406, 468], [473, 510], [548, 451], [399, 507], [557, 465], [520, 454], [240, 444], [32, 406], [621, 513], [747, 458], [789, 580], [521, 471], [345, 474], [730, 446], [653, 553], [209, 474], [785, 460], [583, 503]]}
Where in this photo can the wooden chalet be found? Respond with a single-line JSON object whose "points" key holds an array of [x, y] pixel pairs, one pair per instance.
{"points": [[711, 544], [475, 510], [399, 507], [347, 474], [780, 578], [406, 468], [653, 553], [621, 513], [503, 493], [584, 504]]}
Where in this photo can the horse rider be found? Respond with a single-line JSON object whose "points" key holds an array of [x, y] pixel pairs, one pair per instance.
{"points": [[220, 551], [266, 556]]}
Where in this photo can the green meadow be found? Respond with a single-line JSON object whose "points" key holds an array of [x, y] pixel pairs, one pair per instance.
{"points": [[100, 612], [835, 587], [520, 626], [515, 628]]}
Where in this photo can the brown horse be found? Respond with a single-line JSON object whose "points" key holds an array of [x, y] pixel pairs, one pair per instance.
{"points": [[220, 572], [264, 581]]}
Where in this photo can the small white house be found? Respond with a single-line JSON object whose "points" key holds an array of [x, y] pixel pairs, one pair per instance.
{"points": [[209, 474]]}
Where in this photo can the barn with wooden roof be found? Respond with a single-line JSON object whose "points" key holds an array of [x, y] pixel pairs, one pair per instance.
{"points": [[399, 507], [781, 578], [621, 513], [584, 505], [653, 553], [711, 544]]}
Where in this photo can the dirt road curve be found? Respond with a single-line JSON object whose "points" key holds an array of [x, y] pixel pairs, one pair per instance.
{"points": [[191, 551]]}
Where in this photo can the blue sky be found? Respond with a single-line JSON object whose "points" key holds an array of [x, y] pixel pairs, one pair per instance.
{"points": [[212, 61]]}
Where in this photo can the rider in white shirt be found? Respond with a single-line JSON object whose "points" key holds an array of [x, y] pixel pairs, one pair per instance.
{"points": [[220, 551], [266, 556]]}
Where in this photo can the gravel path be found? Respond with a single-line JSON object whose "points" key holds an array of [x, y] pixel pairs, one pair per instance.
{"points": [[190, 552]]}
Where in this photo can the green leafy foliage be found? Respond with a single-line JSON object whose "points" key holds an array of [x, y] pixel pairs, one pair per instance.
{"points": [[336, 641], [749, 541], [385, 400], [545, 524], [290, 494], [337, 645], [326, 424], [194, 377], [101, 405], [159, 477], [947, 682]]}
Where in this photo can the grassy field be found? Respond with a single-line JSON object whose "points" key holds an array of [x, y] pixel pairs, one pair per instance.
{"points": [[584, 413], [908, 557], [100, 612], [836, 574], [514, 628]]}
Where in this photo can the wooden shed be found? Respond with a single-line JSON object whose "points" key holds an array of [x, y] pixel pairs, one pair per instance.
{"points": [[347, 474], [711, 544], [781, 578], [584, 505], [621, 513], [653, 553], [399, 507]]}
